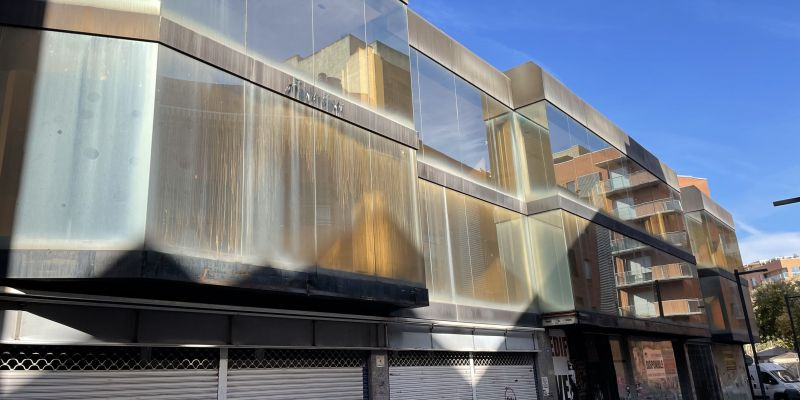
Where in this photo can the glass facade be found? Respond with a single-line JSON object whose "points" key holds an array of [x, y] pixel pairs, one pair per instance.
{"points": [[463, 130], [589, 169], [587, 267], [124, 145], [357, 49], [75, 138], [243, 174], [724, 307], [475, 252], [713, 242]]}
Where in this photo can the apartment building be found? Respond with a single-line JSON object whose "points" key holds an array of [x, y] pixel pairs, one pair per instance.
{"points": [[333, 199], [785, 268]]}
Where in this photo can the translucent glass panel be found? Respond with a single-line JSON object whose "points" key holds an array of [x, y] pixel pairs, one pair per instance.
{"points": [[76, 114], [463, 130], [724, 306], [714, 243], [220, 20], [475, 252], [587, 267], [357, 49], [242, 174], [597, 174]]}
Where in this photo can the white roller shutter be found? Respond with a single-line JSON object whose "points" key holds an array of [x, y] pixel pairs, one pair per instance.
{"points": [[430, 375], [67, 372], [505, 381], [296, 374], [451, 375], [296, 383], [79, 385], [430, 382]]}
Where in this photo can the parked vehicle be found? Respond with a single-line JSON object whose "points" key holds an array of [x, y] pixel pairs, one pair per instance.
{"points": [[779, 383]]}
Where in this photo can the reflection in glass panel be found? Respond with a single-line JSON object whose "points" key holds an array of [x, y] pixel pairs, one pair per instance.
{"points": [[357, 49], [75, 139], [613, 274], [245, 175], [388, 51], [340, 51], [463, 130], [220, 20], [597, 174], [713, 241], [279, 33], [438, 117], [536, 158], [475, 251]]}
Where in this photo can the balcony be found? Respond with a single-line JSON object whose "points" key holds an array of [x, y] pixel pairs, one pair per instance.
{"points": [[672, 308], [679, 238], [625, 245], [647, 209], [641, 310], [619, 183], [658, 272]]}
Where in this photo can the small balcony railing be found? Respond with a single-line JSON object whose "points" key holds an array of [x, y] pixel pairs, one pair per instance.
{"points": [[626, 244], [682, 307], [672, 308], [647, 209], [658, 272], [635, 179], [641, 310]]}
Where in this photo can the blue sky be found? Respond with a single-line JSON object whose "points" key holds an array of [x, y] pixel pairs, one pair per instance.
{"points": [[711, 87]]}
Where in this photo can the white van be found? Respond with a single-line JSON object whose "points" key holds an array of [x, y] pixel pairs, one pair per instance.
{"points": [[779, 383]]}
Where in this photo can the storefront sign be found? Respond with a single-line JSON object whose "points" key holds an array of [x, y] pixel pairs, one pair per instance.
{"points": [[309, 94], [730, 361], [562, 368], [654, 364]]}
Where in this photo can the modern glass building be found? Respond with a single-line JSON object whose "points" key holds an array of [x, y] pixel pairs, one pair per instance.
{"points": [[333, 199]]}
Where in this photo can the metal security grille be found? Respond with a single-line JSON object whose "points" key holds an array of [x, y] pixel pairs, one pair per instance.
{"points": [[290, 358], [295, 374], [489, 359], [428, 359], [94, 373], [461, 375], [80, 358]]}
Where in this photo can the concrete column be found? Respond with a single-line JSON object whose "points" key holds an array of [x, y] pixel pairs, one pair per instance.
{"points": [[684, 372], [379, 375]]}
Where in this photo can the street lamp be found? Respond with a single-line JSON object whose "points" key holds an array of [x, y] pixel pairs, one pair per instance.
{"points": [[786, 201], [791, 323], [738, 273]]}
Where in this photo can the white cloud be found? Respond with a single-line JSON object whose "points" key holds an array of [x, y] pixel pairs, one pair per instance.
{"points": [[760, 246]]}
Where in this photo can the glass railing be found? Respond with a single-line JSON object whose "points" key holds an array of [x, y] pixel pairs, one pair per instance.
{"points": [[626, 244], [682, 307], [680, 238], [672, 308], [635, 179], [647, 209], [641, 310], [658, 272]]}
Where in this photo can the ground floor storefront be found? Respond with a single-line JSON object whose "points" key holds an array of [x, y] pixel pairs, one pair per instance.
{"points": [[624, 366], [192, 351], [173, 373]]}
